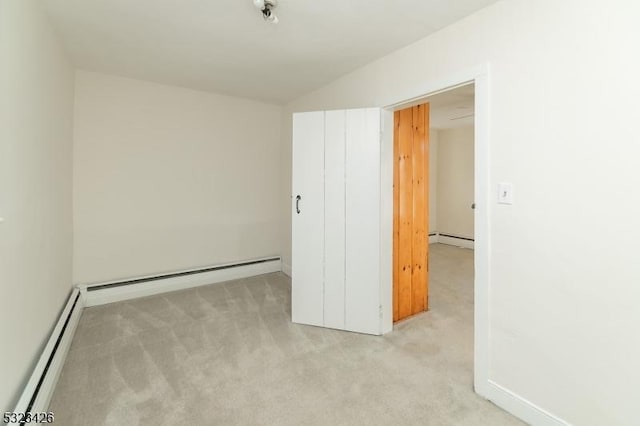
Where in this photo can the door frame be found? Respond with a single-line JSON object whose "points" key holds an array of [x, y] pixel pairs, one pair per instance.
{"points": [[480, 77]]}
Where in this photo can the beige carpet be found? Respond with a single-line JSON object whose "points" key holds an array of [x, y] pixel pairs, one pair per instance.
{"points": [[228, 354]]}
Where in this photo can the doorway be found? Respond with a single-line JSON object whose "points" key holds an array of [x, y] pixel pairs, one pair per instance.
{"points": [[433, 197], [478, 114]]}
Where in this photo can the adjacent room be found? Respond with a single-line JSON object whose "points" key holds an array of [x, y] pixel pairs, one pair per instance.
{"points": [[451, 209], [278, 212]]}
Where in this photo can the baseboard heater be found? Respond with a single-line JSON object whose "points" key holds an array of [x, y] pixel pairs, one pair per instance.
{"points": [[38, 391], [456, 237], [450, 239], [114, 291]]}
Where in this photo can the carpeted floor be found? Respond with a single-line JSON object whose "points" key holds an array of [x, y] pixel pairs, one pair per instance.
{"points": [[228, 354]]}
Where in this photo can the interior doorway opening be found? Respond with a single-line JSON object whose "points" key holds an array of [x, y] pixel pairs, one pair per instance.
{"points": [[479, 77], [433, 182], [434, 220]]}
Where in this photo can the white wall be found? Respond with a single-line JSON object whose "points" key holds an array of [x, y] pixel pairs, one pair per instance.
{"points": [[564, 104], [168, 179], [455, 182], [36, 107]]}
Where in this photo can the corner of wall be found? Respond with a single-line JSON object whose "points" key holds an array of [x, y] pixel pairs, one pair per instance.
{"points": [[37, 77]]}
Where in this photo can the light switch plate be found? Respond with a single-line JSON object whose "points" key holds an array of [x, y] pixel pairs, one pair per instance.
{"points": [[505, 193]]}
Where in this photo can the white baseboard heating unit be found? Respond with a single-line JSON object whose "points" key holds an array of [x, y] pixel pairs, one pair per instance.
{"points": [[115, 291], [37, 393]]}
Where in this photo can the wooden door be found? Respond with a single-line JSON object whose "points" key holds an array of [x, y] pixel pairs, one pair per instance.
{"points": [[307, 245], [410, 211], [362, 195], [336, 220]]}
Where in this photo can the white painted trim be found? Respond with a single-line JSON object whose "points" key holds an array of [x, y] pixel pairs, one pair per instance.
{"points": [[416, 95], [522, 408], [386, 221], [455, 241], [52, 374], [164, 285], [482, 228], [286, 269], [480, 76], [433, 239]]}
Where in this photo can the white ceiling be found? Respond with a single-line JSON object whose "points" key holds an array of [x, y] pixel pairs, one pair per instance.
{"points": [[452, 109], [224, 46]]}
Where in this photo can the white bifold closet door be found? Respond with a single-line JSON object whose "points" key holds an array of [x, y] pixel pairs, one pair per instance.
{"points": [[336, 220]]}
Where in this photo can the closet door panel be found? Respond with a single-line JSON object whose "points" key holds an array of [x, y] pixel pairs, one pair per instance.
{"points": [[404, 236], [334, 219], [307, 272], [362, 296]]}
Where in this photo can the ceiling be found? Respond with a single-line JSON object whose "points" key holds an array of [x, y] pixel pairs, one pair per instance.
{"points": [[224, 46], [452, 109]]}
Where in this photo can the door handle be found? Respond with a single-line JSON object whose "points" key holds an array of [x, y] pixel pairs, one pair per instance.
{"points": [[298, 198], [473, 206]]}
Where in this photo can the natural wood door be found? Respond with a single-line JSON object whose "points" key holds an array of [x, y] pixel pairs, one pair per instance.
{"points": [[410, 211]]}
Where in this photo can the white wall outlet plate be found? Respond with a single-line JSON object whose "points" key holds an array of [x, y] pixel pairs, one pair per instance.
{"points": [[505, 193]]}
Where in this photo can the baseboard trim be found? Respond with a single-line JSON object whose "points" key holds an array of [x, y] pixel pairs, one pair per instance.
{"points": [[520, 407], [103, 293], [452, 240], [286, 269], [39, 389]]}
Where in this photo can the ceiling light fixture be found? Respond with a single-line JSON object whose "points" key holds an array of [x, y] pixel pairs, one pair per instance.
{"points": [[266, 7]]}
